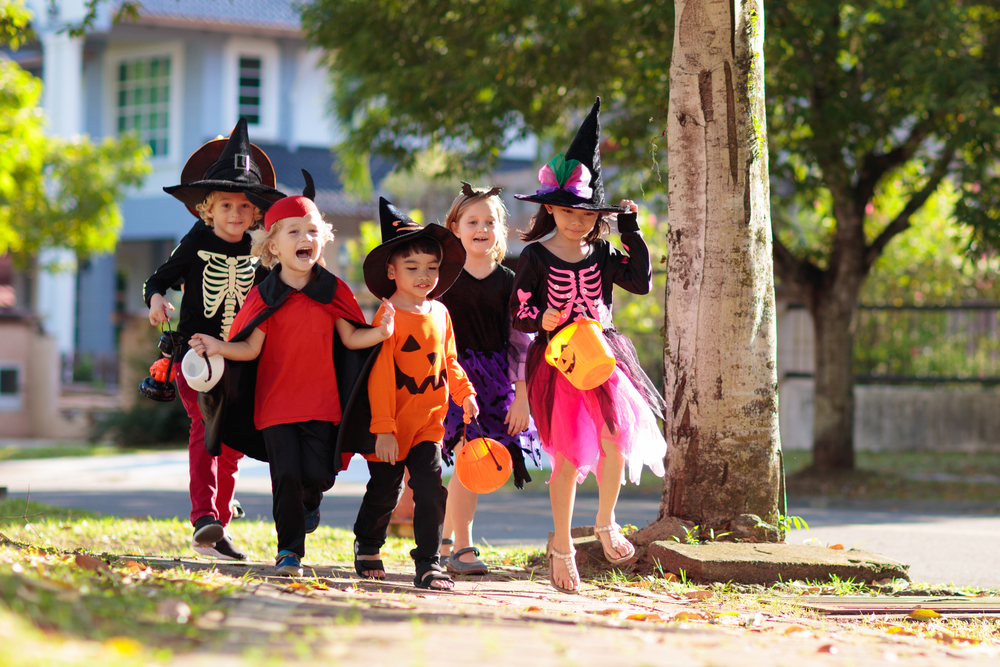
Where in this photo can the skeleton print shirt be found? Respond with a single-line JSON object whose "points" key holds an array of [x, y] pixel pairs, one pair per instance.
{"points": [[216, 276], [579, 289]]}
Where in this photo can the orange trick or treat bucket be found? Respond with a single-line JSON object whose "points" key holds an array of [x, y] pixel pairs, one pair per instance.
{"points": [[581, 353], [483, 465]]}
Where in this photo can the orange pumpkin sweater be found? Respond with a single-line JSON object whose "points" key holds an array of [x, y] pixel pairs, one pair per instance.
{"points": [[414, 373]]}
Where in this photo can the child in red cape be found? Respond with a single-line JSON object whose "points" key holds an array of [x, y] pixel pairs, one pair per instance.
{"points": [[288, 325]]}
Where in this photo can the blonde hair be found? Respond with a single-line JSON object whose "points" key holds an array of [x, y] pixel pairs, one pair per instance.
{"points": [[205, 209], [261, 238], [461, 205]]}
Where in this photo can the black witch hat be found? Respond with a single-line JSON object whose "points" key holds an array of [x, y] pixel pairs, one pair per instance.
{"points": [[397, 228], [230, 164], [573, 179]]}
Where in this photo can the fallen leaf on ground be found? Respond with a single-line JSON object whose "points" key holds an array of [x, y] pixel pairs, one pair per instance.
{"points": [[606, 612], [837, 547], [532, 608], [827, 648], [644, 617], [698, 595], [794, 629], [670, 576], [923, 614], [135, 566], [690, 616], [92, 563]]}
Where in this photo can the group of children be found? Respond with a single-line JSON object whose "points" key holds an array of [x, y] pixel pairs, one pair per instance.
{"points": [[320, 385]]}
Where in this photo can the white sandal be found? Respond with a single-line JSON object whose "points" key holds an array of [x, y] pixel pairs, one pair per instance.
{"points": [[617, 542], [570, 561]]}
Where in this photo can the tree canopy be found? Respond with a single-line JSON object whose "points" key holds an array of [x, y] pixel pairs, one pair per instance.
{"points": [[55, 192]]}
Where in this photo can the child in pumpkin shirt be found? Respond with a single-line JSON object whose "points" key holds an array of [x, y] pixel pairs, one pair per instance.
{"points": [[408, 389]]}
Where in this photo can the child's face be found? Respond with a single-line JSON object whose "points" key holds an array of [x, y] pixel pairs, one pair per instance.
{"points": [[297, 244], [415, 275], [232, 215], [573, 223], [476, 228]]}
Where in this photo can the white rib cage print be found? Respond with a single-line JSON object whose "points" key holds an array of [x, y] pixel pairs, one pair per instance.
{"points": [[226, 282], [581, 290]]}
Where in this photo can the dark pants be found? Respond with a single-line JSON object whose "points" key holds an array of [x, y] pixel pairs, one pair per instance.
{"points": [[298, 456], [384, 490]]}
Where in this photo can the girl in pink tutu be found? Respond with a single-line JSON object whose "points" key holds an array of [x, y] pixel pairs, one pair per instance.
{"points": [[567, 276]]}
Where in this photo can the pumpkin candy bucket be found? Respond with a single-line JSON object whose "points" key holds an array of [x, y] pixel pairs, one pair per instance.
{"points": [[483, 465], [581, 353]]}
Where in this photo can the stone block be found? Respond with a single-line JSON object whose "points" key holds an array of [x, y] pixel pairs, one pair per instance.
{"points": [[765, 564]]}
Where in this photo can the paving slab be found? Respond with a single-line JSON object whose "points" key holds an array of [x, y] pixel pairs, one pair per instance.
{"points": [[754, 563]]}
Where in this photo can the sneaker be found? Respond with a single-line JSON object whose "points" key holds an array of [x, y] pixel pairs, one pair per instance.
{"points": [[238, 512], [207, 531], [312, 520], [223, 549], [288, 564]]}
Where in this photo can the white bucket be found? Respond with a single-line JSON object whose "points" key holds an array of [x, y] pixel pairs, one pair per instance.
{"points": [[202, 376]]}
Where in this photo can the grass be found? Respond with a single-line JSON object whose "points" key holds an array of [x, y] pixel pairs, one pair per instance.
{"points": [[58, 608], [74, 448]]}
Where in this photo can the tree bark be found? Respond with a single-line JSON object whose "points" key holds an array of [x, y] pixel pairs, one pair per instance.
{"points": [[723, 460], [833, 399]]}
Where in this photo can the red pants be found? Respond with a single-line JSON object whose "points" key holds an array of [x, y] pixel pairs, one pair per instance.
{"points": [[213, 478]]}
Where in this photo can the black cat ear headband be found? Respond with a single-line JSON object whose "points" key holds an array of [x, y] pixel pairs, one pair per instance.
{"points": [[470, 191]]}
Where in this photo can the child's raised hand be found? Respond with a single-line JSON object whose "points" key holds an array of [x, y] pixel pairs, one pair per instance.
{"points": [[517, 416], [388, 324], [632, 206], [205, 345], [387, 448], [551, 318], [471, 409], [159, 310]]}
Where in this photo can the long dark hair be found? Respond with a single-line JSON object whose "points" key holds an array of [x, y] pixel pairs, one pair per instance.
{"points": [[543, 222]]}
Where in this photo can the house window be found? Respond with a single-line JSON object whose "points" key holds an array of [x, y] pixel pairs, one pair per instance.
{"points": [[8, 382], [144, 100], [249, 89]]}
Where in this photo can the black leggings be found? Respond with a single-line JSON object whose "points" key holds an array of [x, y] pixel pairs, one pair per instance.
{"points": [[384, 490], [299, 459]]}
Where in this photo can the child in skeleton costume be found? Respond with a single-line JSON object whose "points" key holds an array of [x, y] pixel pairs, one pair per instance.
{"points": [[289, 327], [408, 389], [561, 279], [491, 353], [214, 264]]}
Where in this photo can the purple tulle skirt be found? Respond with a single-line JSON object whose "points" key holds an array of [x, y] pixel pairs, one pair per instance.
{"points": [[494, 393], [624, 409]]}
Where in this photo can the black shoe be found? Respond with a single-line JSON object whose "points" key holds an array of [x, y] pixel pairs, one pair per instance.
{"points": [[238, 512], [223, 549], [207, 531], [312, 520]]}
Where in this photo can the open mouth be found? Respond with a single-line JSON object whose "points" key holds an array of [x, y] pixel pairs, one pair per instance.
{"points": [[303, 253]]}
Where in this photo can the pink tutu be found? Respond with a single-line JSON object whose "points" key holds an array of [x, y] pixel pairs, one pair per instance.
{"points": [[617, 409]]}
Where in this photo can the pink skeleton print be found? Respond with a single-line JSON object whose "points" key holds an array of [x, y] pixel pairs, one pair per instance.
{"points": [[526, 311], [580, 291]]}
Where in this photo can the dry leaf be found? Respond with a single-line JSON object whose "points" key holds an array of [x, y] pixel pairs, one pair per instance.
{"points": [[793, 629], [644, 617], [135, 566], [606, 612], [670, 576], [827, 648], [698, 595], [297, 586], [923, 614], [532, 608], [838, 547], [690, 616], [92, 563], [122, 645]]}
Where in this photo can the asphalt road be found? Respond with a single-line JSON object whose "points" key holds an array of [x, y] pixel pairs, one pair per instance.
{"points": [[943, 544]]}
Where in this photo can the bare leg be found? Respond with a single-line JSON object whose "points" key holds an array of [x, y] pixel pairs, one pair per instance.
{"points": [[610, 466], [562, 495]]}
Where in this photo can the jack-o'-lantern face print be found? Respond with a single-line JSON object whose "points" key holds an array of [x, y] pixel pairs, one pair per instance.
{"points": [[567, 360], [412, 368]]}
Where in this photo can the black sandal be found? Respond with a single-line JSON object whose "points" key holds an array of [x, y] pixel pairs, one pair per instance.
{"points": [[361, 565], [428, 574]]}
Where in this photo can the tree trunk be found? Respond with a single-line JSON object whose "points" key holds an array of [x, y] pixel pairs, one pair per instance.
{"points": [[833, 398], [724, 458]]}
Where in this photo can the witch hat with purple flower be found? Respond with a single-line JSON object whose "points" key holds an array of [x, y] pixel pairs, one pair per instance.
{"points": [[573, 179]]}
